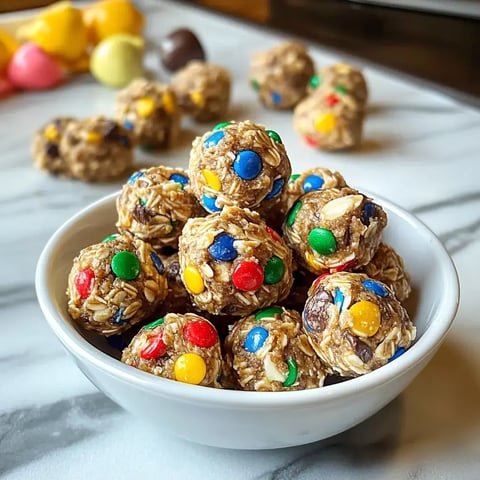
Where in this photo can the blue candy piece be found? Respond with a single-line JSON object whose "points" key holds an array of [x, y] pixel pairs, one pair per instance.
{"points": [[128, 125], [400, 351], [222, 248], [134, 176], [375, 287], [255, 339], [117, 318], [157, 263], [313, 182], [213, 139], [247, 164], [177, 177], [276, 98], [339, 299], [276, 188], [369, 211], [209, 204]]}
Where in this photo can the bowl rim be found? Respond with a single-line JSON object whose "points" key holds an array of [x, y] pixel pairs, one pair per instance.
{"points": [[223, 398]]}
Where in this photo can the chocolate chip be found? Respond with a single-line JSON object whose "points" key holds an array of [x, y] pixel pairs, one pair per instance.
{"points": [[179, 47], [112, 131], [141, 214], [363, 351], [52, 150], [173, 271], [315, 313]]}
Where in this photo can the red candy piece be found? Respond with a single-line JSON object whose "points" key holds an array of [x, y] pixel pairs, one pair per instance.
{"points": [[275, 236], [331, 100], [319, 279], [310, 141], [345, 266], [247, 276], [155, 348], [84, 282], [200, 333]]}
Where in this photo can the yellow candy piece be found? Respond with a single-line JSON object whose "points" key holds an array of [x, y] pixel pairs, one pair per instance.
{"points": [[190, 368], [110, 17], [325, 123], [93, 137], [193, 279], [197, 99], [51, 133], [169, 103], [145, 107], [212, 179], [365, 318], [8, 45], [59, 30], [343, 68]]}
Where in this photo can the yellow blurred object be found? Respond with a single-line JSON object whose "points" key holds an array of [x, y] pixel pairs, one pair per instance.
{"points": [[9, 42], [110, 17], [59, 30], [79, 65]]}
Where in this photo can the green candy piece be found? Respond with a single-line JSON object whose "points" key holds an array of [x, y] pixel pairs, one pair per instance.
{"points": [[341, 89], [142, 201], [293, 177], [315, 81], [219, 126], [293, 213], [274, 270], [154, 324], [111, 237], [292, 373], [322, 241], [126, 265], [255, 85], [268, 313], [274, 136]]}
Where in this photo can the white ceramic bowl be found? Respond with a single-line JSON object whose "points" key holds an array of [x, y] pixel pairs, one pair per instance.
{"points": [[252, 420]]}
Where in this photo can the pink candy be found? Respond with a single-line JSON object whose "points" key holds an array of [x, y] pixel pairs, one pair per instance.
{"points": [[32, 69]]}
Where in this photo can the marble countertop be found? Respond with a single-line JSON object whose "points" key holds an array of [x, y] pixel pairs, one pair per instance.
{"points": [[420, 150]]}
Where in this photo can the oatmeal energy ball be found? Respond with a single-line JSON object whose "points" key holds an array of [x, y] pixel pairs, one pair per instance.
{"points": [[202, 90], [96, 149], [355, 324], [46, 147], [334, 228], [232, 263], [154, 205], [149, 110], [115, 284], [239, 164], [280, 75], [268, 351], [185, 348]]}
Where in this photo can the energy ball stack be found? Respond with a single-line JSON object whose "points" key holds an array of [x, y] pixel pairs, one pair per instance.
{"points": [[202, 90], [331, 117], [280, 75], [149, 110]]}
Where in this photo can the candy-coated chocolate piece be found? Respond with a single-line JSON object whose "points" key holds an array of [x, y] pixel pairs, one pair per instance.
{"points": [[400, 351], [201, 333], [255, 339], [292, 373], [157, 263], [322, 241], [247, 164], [369, 211], [313, 182], [190, 368], [275, 236], [277, 187], [247, 276], [338, 299], [84, 281], [155, 348], [181, 179], [193, 279], [274, 270], [375, 287], [145, 107], [111, 237], [326, 122], [219, 126], [212, 180], [126, 265], [210, 203], [214, 139], [179, 47], [117, 60], [223, 248], [32, 69], [154, 324], [293, 213], [274, 136], [315, 81], [365, 318]]}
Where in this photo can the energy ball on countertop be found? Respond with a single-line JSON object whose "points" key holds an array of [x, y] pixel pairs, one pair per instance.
{"points": [[230, 263], [46, 147], [239, 164], [149, 109], [387, 267], [268, 351], [343, 81], [324, 122], [96, 149], [184, 347], [115, 284], [280, 75], [355, 324], [154, 205], [202, 90], [334, 229]]}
